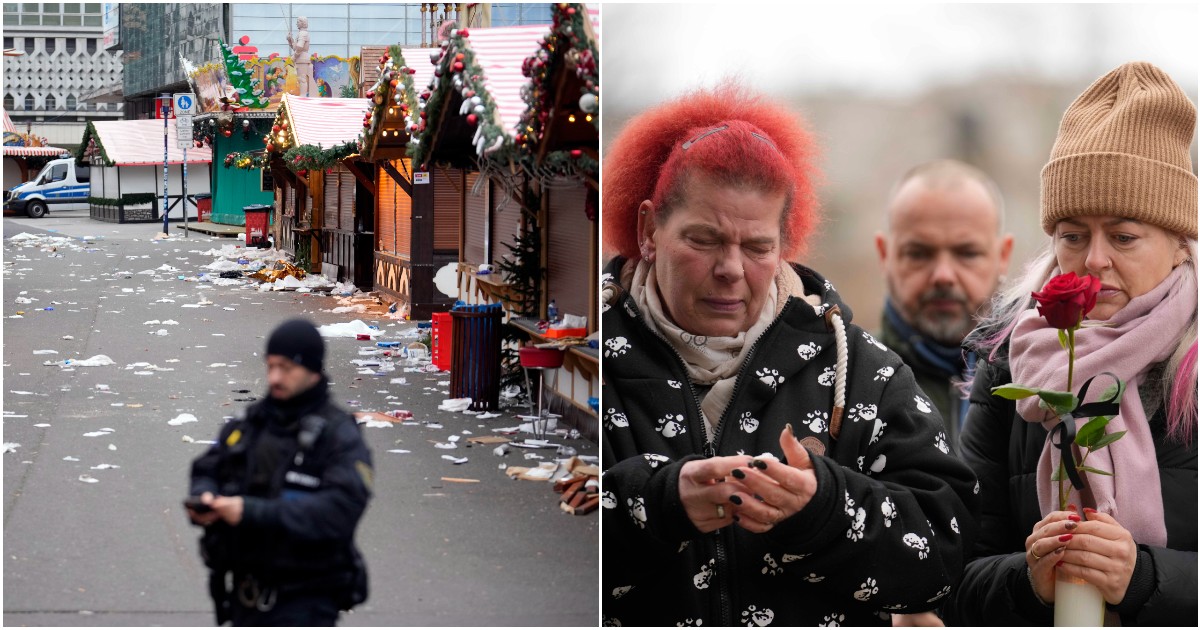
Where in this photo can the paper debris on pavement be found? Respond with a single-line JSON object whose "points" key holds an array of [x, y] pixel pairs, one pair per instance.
{"points": [[456, 460], [181, 419], [88, 479], [348, 329], [373, 420], [544, 472], [9, 447], [488, 439]]}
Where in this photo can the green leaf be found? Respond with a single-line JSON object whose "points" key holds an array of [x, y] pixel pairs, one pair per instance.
{"points": [[1062, 338], [1118, 388], [1096, 471], [1106, 440], [1060, 474], [1060, 402], [1091, 431], [1013, 391]]}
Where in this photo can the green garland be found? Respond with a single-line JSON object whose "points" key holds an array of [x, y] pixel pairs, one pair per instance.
{"points": [[90, 135], [566, 39], [247, 161], [383, 96], [307, 157], [457, 69]]}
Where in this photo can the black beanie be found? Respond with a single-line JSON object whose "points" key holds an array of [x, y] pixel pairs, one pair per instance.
{"points": [[299, 341]]}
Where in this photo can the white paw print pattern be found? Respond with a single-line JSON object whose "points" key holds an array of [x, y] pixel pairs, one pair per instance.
{"points": [[976, 491], [611, 622], [827, 377], [794, 557], [820, 309], [884, 373], [770, 377], [703, 579], [615, 347], [656, 460], [895, 606], [833, 620], [877, 431], [861, 412], [829, 286], [879, 464], [608, 500], [671, 425], [930, 526], [748, 423], [752, 617], [858, 520], [771, 568], [637, 511], [814, 578], [939, 441], [920, 543], [689, 623], [614, 419], [866, 590], [808, 350], [860, 463], [889, 512], [922, 404], [873, 341], [620, 591], [940, 594], [675, 384], [954, 525], [604, 306], [817, 421], [683, 545]]}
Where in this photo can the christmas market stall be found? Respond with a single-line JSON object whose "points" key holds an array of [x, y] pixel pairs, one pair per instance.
{"points": [[558, 145], [405, 217], [325, 195], [126, 158], [24, 154]]}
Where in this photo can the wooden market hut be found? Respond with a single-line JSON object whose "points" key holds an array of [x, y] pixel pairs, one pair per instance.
{"points": [[325, 195], [126, 157], [476, 120], [230, 135], [414, 235]]}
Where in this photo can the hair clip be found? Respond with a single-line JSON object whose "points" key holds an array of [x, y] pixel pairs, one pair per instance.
{"points": [[703, 134]]}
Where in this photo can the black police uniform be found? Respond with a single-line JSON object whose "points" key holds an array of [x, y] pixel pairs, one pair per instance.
{"points": [[305, 475]]}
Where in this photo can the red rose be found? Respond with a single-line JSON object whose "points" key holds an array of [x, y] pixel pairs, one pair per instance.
{"points": [[1066, 299]]}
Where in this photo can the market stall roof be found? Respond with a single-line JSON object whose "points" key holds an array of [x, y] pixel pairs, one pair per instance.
{"points": [[139, 142], [23, 151], [412, 69], [323, 122], [481, 68]]}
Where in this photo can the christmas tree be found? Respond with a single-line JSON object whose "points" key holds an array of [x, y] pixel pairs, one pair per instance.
{"points": [[244, 84]]}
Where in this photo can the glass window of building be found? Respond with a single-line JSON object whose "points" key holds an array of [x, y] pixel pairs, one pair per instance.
{"points": [[72, 20], [30, 19], [8, 43], [10, 18], [91, 20], [8, 102], [28, 101], [71, 7], [51, 19], [50, 44], [91, 46], [51, 102], [29, 45], [72, 104], [50, 7], [70, 45]]}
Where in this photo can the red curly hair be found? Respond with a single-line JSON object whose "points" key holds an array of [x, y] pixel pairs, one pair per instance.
{"points": [[735, 137]]}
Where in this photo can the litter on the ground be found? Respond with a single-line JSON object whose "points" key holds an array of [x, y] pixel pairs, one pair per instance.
{"points": [[456, 460], [182, 419]]}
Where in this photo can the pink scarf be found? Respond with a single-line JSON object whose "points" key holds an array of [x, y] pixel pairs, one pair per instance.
{"points": [[1138, 336]]}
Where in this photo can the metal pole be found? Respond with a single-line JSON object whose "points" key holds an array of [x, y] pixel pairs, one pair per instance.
{"points": [[166, 110], [184, 198]]}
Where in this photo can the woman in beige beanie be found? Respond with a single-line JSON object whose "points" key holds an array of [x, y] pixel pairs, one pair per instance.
{"points": [[1119, 203]]}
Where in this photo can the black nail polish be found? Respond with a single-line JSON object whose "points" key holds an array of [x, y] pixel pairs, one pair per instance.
{"points": [[760, 464], [760, 499], [735, 499], [738, 474], [736, 519]]}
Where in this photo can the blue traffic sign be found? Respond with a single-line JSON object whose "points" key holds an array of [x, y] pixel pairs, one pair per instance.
{"points": [[185, 103]]}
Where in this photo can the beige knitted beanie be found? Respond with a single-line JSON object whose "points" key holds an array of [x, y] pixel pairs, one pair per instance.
{"points": [[1122, 150]]}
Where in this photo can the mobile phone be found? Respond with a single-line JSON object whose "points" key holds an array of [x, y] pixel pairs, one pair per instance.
{"points": [[196, 505]]}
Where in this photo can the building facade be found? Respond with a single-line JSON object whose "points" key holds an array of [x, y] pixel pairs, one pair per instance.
{"points": [[47, 88]]}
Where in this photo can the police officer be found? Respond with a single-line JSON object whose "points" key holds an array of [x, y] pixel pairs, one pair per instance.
{"points": [[280, 494]]}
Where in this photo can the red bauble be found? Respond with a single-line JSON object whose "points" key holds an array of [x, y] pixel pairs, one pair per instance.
{"points": [[302, 173], [227, 133], [275, 128], [394, 82], [462, 32], [370, 93], [270, 147], [458, 66], [472, 119], [576, 153], [459, 57]]}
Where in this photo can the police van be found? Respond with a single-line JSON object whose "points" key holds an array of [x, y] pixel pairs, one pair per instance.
{"points": [[62, 185]]}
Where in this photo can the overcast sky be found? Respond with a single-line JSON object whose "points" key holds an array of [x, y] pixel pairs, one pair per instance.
{"points": [[651, 52]]}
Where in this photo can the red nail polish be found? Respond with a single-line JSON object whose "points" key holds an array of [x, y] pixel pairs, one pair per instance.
{"points": [[1073, 517], [1071, 506], [1059, 563], [1065, 537], [1089, 511]]}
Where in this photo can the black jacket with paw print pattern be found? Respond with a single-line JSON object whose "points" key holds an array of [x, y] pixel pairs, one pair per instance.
{"points": [[885, 532]]}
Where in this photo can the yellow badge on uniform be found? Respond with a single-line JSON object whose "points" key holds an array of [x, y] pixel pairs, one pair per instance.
{"points": [[364, 471], [233, 438]]}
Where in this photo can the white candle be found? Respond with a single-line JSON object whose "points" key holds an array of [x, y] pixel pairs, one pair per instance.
{"points": [[1077, 604]]}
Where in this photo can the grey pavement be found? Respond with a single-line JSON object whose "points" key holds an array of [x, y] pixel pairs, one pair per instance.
{"points": [[120, 552]]}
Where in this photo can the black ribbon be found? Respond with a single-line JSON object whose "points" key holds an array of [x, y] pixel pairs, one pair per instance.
{"points": [[1065, 431]]}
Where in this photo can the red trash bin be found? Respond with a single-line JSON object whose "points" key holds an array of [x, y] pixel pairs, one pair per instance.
{"points": [[258, 217], [440, 339], [203, 206]]}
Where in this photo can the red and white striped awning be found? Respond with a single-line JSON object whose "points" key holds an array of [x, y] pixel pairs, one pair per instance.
{"points": [[11, 151], [140, 142], [324, 122], [8, 123], [418, 60], [500, 52]]}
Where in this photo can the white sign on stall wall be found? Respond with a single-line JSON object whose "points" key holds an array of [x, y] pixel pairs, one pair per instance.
{"points": [[420, 178]]}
